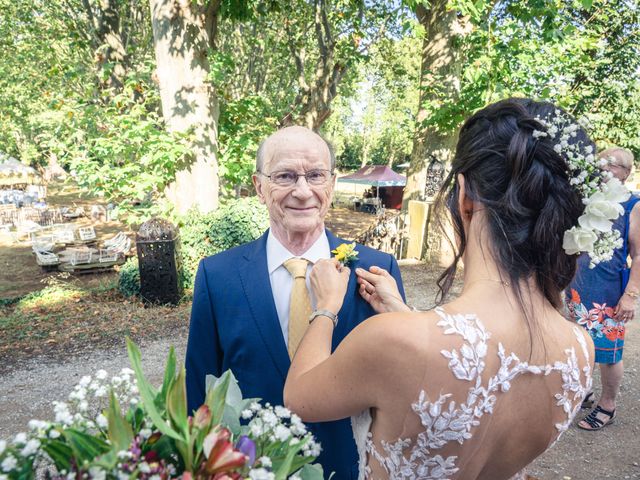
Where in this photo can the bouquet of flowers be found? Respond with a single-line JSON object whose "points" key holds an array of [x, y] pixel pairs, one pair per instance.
{"points": [[124, 428]]}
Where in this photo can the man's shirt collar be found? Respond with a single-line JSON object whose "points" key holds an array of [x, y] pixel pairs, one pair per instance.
{"points": [[277, 253]]}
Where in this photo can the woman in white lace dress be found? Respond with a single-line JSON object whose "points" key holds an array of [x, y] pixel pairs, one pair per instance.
{"points": [[480, 386]]}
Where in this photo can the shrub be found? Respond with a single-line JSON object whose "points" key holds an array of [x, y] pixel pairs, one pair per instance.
{"points": [[129, 278], [234, 223]]}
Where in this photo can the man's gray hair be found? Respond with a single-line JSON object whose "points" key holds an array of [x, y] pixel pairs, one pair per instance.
{"points": [[624, 157], [260, 155]]}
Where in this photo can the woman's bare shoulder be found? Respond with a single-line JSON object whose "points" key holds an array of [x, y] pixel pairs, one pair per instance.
{"points": [[402, 333]]}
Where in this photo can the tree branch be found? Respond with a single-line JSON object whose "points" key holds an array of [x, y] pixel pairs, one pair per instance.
{"points": [[211, 22]]}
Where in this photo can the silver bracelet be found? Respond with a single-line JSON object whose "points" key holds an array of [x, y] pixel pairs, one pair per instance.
{"points": [[326, 313]]}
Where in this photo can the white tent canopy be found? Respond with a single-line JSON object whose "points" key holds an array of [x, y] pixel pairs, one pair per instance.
{"points": [[14, 172]]}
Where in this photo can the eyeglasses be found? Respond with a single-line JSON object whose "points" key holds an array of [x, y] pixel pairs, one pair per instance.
{"points": [[617, 165], [288, 178]]}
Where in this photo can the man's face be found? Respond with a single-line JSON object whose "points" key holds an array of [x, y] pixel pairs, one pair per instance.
{"points": [[617, 168], [298, 209]]}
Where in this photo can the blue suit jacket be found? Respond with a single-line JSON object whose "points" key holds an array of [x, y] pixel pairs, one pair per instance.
{"points": [[234, 325]]}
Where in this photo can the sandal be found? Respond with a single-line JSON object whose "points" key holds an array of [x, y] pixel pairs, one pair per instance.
{"points": [[588, 401], [594, 422]]}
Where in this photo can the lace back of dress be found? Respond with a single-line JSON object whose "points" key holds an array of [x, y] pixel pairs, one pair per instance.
{"points": [[445, 421]]}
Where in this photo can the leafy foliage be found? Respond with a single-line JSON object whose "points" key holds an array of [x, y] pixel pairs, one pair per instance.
{"points": [[129, 278], [584, 56], [349, 67], [234, 223]]}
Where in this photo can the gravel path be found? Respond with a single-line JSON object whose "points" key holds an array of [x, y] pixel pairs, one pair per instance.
{"points": [[27, 392]]}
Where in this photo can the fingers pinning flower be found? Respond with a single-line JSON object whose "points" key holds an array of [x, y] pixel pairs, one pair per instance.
{"points": [[346, 253]]}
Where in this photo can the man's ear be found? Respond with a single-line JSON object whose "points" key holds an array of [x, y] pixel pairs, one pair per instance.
{"points": [[465, 204], [257, 184]]}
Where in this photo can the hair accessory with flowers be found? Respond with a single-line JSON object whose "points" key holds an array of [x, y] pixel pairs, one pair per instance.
{"points": [[601, 192], [346, 253]]}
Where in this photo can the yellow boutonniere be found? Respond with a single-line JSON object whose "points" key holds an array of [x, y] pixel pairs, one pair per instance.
{"points": [[346, 253]]}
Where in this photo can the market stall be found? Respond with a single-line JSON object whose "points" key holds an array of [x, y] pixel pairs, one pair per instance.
{"points": [[19, 184], [386, 190]]}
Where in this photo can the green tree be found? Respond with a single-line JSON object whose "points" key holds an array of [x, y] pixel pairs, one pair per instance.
{"points": [[581, 55]]}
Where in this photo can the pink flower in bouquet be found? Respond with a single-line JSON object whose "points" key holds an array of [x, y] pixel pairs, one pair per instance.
{"points": [[221, 456], [202, 417]]}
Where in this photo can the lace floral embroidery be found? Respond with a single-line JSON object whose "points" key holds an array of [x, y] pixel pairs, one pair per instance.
{"points": [[446, 421]]}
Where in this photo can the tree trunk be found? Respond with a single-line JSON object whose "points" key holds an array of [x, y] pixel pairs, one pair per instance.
{"points": [[111, 55], [439, 83], [183, 32]]}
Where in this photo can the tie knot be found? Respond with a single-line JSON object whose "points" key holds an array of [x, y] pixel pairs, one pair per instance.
{"points": [[297, 267]]}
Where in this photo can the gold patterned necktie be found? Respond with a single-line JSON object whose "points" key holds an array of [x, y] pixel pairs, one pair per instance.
{"points": [[300, 306]]}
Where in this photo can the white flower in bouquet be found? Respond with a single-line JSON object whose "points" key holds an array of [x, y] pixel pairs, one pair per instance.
{"points": [[261, 474], [9, 463]]}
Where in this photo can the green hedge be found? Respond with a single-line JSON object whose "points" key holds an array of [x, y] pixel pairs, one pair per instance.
{"points": [[129, 278], [234, 223], [203, 234]]}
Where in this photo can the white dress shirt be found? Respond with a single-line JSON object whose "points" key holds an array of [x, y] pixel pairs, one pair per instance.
{"points": [[282, 281]]}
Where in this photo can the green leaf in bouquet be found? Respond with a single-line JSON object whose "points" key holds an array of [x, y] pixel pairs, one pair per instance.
{"points": [[107, 461], [165, 447], [217, 395], [233, 395], [284, 469], [119, 430], [231, 419], [177, 403], [311, 472], [135, 417], [299, 461], [169, 375], [148, 394], [26, 472], [85, 447], [60, 453]]}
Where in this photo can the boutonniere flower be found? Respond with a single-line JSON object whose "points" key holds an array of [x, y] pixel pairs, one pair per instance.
{"points": [[346, 253]]}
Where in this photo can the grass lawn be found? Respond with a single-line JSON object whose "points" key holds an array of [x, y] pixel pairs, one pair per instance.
{"points": [[67, 316]]}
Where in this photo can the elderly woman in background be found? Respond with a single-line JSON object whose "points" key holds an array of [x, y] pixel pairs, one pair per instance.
{"points": [[603, 299]]}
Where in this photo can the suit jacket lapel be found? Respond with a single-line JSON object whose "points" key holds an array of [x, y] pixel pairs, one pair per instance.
{"points": [[344, 325], [254, 275]]}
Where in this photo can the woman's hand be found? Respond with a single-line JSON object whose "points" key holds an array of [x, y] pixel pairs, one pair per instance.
{"points": [[380, 290], [626, 309], [329, 281]]}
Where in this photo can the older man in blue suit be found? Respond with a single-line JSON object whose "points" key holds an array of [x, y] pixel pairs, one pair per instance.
{"points": [[243, 297]]}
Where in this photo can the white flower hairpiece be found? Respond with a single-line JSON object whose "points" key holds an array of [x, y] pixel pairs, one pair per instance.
{"points": [[601, 192]]}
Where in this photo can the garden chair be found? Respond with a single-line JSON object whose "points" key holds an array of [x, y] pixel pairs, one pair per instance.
{"points": [[86, 233], [42, 243], [79, 257], [115, 240], [63, 233], [45, 258], [120, 244], [26, 228], [105, 255], [8, 214]]}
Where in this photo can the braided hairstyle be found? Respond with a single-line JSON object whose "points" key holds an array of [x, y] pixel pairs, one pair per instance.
{"points": [[523, 185]]}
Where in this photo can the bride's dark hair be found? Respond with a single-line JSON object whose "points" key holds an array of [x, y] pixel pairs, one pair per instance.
{"points": [[523, 185]]}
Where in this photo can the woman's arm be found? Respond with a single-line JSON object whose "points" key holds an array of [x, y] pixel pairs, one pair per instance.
{"points": [[626, 308], [321, 386]]}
